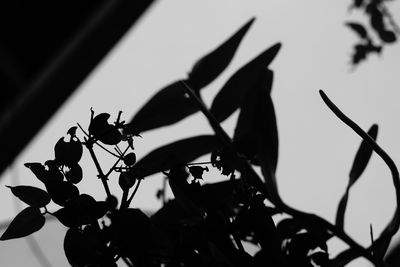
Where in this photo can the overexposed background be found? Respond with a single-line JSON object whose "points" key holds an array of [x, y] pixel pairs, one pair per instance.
{"points": [[316, 150]]}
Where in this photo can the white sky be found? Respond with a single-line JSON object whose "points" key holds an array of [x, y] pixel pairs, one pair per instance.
{"points": [[316, 150]]}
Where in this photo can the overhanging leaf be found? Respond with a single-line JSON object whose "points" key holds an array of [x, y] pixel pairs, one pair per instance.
{"points": [[167, 106], [210, 66], [32, 196], [362, 157], [182, 151], [25, 223], [233, 92]]}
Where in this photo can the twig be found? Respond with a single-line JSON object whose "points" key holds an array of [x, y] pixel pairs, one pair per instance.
{"points": [[103, 178], [134, 192]]}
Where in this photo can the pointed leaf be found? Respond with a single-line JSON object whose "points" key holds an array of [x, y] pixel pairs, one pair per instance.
{"points": [[179, 152], [256, 133], [230, 97], [360, 163], [362, 157], [25, 223], [38, 170], [32, 196], [358, 29], [167, 106], [210, 66]]}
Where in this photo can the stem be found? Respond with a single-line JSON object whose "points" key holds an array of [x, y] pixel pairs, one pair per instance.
{"points": [[133, 193], [89, 145], [211, 119], [116, 162]]}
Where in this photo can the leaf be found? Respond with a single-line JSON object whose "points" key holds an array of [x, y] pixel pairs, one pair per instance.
{"points": [[38, 170], [81, 211], [230, 97], [103, 131], [86, 248], [179, 152], [25, 223], [358, 29], [359, 164], [167, 106], [32, 196], [68, 153], [61, 191], [74, 174], [362, 156], [210, 66], [256, 133]]}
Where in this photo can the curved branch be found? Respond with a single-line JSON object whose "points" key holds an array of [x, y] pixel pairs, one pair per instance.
{"points": [[394, 224]]}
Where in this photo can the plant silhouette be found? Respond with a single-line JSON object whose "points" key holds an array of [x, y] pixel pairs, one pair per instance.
{"points": [[205, 224]]}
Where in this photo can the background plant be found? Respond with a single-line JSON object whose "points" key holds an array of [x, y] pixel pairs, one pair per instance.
{"points": [[204, 224]]}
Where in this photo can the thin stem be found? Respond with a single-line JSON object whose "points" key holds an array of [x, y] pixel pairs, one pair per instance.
{"points": [[116, 162], [133, 193], [89, 145], [211, 119]]}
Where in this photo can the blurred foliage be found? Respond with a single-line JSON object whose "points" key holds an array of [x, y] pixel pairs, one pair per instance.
{"points": [[379, 31]]}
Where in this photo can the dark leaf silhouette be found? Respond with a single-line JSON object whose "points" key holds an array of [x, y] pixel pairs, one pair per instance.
{"points": [[210, 66], [387, 36], [68, 153], [38, 170], [130, 159], [179, 152], [256, 133], [74, 174], [61, 191], [187, 195], [167, 106], [25, 223], [83, 248], [230, 97], [362, 156], [81, 211], [103, 131], [32, 196], [359, 164], [126, 180], [358, 29]]}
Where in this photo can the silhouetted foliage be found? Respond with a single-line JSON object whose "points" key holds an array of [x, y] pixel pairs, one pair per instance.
{"points": [[380, 31], [205, 224]]}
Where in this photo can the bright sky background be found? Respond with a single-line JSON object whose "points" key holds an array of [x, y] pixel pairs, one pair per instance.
{"points": [[316, 150]]}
